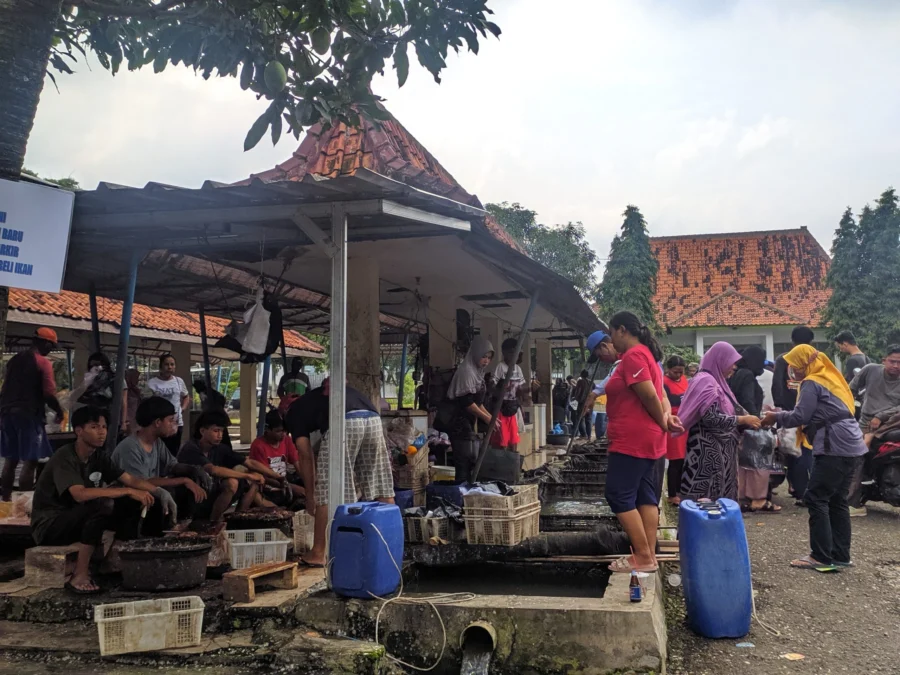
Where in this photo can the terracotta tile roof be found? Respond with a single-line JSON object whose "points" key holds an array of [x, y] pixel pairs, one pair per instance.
{"points": [[77, 306], [386, 148], [739, 279]]}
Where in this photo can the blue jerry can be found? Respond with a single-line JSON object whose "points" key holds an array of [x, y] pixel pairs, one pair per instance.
{"points": [[362, 564], [715, 567]]}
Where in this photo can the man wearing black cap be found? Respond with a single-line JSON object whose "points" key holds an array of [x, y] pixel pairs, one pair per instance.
{"points": [[27, 388]]}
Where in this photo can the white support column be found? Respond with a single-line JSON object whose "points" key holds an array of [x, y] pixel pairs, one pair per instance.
{"points": [[545, 375], [183, 362], [770, 346], [338, 361], [492, 329], [441, 332], [248, 402], [699, 346], [363, 333]]}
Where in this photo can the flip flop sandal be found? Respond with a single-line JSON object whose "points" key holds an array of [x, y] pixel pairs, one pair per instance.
{"points": [[768, 507], [805, 563], [82, 591], [624, 565]]}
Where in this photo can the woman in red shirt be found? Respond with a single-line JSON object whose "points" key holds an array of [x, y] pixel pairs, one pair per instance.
{"points": [[675, 384], [640, 418]]}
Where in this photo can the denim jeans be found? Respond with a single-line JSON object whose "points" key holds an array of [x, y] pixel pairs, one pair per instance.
{"points": [[600, 424], [829, 514]]}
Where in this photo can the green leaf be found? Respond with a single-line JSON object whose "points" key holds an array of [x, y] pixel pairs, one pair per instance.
{"points": [[276, 129], [246, 74], [401, 62], [494, 28], [160, 62], [256, 131]]}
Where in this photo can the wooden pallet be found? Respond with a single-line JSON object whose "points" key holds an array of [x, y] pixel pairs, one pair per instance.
{"points": [[240, 585]]}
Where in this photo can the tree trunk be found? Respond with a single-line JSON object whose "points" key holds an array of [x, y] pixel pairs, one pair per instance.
{"points": [[26, 35]]}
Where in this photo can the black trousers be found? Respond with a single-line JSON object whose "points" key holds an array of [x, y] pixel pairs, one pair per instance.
{"points": [[465, 454], [673, 476], [829, 514], [84, 523], [128, 514], [798, 469]]}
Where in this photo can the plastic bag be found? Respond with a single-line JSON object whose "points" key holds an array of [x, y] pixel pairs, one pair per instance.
{"points": [[757, 449], [787, 442], [256, 320]]}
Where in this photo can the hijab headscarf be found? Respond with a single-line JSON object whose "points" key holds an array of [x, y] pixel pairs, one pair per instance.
{"points": [[709, 385], [469, 377], [821, 370], [753, 358]]}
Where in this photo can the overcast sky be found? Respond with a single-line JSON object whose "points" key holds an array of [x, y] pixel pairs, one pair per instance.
{"points": [[710, 115]]}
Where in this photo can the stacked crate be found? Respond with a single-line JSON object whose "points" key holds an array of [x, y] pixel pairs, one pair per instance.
{"points": [[414, 475], [502, 520]]}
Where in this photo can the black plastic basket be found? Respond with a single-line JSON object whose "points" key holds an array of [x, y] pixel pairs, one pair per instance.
{"points": [[561, 491]]}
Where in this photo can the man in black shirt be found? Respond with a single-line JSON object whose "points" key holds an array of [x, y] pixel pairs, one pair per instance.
{"points": [[236, 475], [845, 341], [367, 457], [71, 505]]}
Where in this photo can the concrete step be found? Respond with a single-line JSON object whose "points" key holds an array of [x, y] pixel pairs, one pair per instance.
{"points": [[297, 652]]}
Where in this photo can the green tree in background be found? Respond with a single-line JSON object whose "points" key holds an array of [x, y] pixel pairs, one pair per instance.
{"points": [[313, 60], [863, 275], [561, 248], [66, 183], [629, 281], [843, 310], [686, 352]]}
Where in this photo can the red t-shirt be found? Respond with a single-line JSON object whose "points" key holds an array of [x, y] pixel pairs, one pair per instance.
{"points": [[632, 431], [276, 459]]}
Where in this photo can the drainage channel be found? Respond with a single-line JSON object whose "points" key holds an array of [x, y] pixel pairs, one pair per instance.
{"points": [[576, 502]]}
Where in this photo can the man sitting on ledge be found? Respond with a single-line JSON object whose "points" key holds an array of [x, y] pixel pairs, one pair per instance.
{"points": [[71, 504], [236, 477], [144, 455]]}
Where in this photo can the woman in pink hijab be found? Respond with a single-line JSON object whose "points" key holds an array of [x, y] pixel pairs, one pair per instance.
{"points": [[711, 420]]}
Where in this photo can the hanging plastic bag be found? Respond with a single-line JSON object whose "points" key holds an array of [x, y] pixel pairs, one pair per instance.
{"points": [[256, 320], [757, 449], [787, 442]]}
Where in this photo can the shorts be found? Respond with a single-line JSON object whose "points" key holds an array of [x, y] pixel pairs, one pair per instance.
{"points": [[23, 438], [632, 482], [507, 431], [367, 464]]}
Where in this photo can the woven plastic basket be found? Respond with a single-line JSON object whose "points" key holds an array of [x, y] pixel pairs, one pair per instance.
{"points": [[420, 530], [149, 625], [497, 505], [501, 531], [413, 477], [255, 547]]}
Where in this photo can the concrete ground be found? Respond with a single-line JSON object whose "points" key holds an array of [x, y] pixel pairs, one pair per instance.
{"points": [[840, 623]]}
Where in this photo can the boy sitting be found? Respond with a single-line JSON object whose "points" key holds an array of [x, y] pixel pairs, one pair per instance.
{"points": [[144, 455], [275, 450], [235, 476], [71, 506]]}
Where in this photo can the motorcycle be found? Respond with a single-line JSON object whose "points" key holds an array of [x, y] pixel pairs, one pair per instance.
{"points": [[881, 481]]}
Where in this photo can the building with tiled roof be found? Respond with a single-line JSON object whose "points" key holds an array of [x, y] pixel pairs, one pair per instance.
{"points": [[386, 148], [70, 314], [745, 287]]}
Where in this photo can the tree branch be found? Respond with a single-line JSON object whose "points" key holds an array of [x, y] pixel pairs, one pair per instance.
{"points": [[119, 10]]}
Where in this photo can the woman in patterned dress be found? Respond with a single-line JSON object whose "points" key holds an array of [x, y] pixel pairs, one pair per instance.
{"points": [[712, 418]]}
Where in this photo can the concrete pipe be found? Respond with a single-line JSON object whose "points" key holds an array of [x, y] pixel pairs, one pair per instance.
{"points": [[479, 633]]}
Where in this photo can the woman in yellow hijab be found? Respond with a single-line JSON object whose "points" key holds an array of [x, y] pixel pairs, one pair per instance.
{"points": [[824, 416]]}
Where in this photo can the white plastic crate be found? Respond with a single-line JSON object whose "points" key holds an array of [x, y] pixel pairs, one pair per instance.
{"points": [[503, 531], [303, 526], [480, 504], [149, 625], [420, 530], [255, 547]]}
